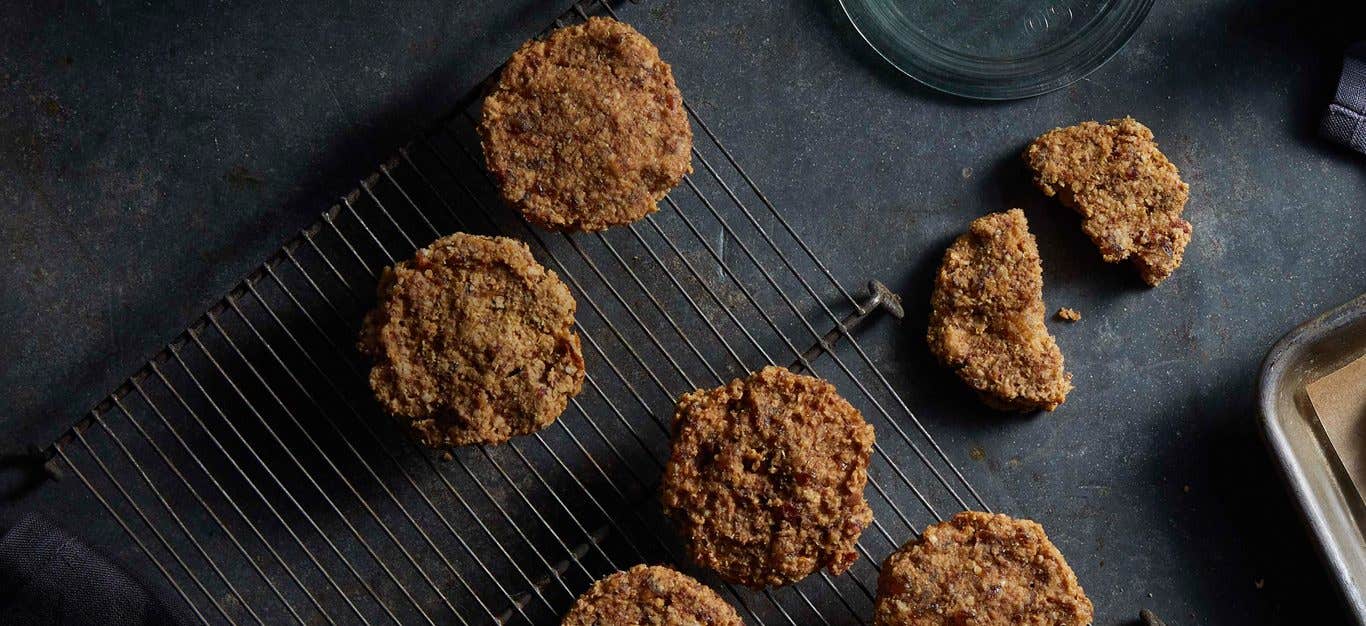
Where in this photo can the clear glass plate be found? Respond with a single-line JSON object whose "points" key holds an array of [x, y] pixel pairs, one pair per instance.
{"points": [[996, 49]]}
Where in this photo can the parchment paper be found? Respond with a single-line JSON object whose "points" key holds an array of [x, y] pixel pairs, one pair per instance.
{"points": [[1339, 399]]}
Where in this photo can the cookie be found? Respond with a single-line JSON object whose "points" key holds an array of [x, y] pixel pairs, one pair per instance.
{"points": [[987, 317], [472, 342], [1129, 195], [766, 475], [649, 595], [981, 569], [586, 129]]}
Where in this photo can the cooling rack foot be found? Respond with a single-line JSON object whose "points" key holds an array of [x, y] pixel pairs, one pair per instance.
{"points": [[879, 298]]}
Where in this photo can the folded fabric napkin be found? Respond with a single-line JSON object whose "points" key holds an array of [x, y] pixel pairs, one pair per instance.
{"points": [[1345, 121], [48, 577]]}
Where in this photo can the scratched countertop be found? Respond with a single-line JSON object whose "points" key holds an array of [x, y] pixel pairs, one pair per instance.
{"points": [[152, 155]]}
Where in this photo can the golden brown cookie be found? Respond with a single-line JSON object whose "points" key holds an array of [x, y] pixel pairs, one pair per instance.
{"points": [[980, 569], [1129, 195], [649, 595], [987, 317], [586, 129], [765, 482], [473, 342]]}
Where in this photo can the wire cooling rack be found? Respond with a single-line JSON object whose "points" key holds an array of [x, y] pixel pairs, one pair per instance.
{"points": [[249, 463]]}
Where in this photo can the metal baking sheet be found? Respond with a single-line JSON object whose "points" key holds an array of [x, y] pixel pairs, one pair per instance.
{"points": [[1331, 508]]}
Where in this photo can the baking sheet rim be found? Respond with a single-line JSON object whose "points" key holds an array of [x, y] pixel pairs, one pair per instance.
{"points": [[1283, 355]]}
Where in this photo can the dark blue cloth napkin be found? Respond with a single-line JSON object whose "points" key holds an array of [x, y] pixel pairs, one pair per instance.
{"points": [[1345, 121], [48, 577]]}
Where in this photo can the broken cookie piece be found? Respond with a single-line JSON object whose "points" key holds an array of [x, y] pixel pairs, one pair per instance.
{"points": [[1129, 195], [987, 317]]}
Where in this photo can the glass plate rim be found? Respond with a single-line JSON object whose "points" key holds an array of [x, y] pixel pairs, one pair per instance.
{"points": [[981, 78]]}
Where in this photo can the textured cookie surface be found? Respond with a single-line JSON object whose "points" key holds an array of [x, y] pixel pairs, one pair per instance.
{"points": [[586, 128], [473, 342], [987, 316], [765, 480], [649, 595], [1129, 195], [980, 569]]}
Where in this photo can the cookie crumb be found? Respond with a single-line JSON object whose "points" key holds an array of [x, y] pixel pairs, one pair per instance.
{"points": [[1068, 314], [1149, 619]]}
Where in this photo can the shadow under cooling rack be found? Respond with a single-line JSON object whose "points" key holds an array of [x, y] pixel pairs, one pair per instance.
{"points": [[251, 465]]}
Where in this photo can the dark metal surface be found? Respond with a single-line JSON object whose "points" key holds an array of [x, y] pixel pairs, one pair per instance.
{"points": [[148, 152]]}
